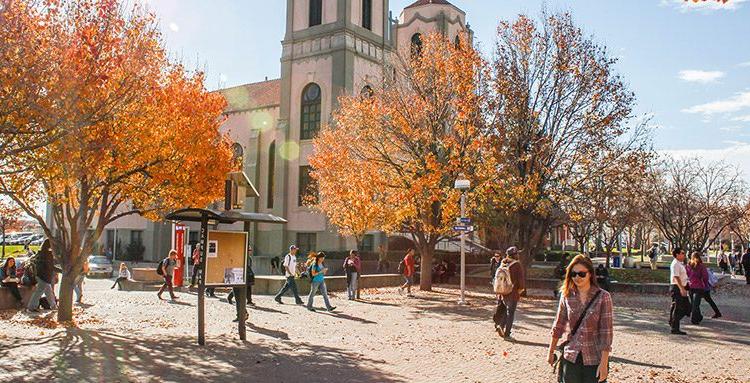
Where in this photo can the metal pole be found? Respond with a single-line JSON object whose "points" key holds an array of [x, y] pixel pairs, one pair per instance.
{"points": [[202, 283], [462, 301], [114, 248]]}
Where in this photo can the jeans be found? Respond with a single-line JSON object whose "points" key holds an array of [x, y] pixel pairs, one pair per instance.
{"points": [[707, 297], [679, 309], [42, 288], [167, 286], [196, 267], [351, 285], [577, 372], [289, 285], [118, 282], [696, 295], [314, 288], [505, 313], [78, 288]]}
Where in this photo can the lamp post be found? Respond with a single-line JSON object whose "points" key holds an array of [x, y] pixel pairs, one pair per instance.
{"points": [[463, 184]]}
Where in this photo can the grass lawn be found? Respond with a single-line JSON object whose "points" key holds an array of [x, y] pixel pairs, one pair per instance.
{"points": [[17, 250]]}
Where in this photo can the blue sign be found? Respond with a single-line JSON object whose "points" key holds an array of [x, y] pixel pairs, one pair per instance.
{"points": [[462, 228], [466, 220]]}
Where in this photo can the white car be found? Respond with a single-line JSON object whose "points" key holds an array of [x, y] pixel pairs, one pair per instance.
{"points": [[100, 265]]}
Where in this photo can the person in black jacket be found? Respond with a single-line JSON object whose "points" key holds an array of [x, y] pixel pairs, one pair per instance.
{"points": [[249, 282], [45, 275], [746, 265]]}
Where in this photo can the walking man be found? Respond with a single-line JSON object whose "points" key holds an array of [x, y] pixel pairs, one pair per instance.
{"points": [[196, 264], [746, 265], [407, 266], [653, 255], [167, 266], [678, 280], [290, 270], [507, 303]]}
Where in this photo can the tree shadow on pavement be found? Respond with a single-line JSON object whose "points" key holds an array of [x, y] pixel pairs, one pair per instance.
{"points": [[93, 356]]}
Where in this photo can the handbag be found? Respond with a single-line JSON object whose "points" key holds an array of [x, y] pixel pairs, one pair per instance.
{"points": [[561, 346]]}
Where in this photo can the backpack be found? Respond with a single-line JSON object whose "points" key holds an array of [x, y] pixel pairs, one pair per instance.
{"points": [[29, 271], [712, 279], [503, 284], [401, 267], [159, 269], [652, 254], [308, 271]]}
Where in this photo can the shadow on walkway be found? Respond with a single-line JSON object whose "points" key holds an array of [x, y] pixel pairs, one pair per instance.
{"points": [[86, 355]]}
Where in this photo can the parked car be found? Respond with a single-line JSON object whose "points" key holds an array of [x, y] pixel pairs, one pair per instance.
{"points": [[100, 265]]}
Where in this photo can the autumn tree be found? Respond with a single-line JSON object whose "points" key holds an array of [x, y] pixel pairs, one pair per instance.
{"points": [[407, 143], [555, 99], [139, 134], [692, 202]]}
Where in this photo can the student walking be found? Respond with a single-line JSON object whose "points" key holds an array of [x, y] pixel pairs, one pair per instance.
{"points": [[653, 256], [9, 279], [196, 257], [353, 269], [723, 262], [166, 270], [585, 312], [509, 270], [290, 271], [712, 280], [317, 273], [678, 280], [44, 270], [78, 284], [407, 269], [249, 282], [745, 263], [697, 283], [122, 275]]}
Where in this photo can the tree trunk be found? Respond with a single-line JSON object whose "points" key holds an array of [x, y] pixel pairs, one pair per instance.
{"points": [[65, 302], [425, 272]]}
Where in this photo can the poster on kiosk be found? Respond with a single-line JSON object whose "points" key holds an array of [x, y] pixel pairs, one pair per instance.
{"points": [[226, 258]]}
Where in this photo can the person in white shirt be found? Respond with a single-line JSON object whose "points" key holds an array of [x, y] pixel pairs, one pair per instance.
{"points": [[678, 280], [290, 271], [124, 274]]}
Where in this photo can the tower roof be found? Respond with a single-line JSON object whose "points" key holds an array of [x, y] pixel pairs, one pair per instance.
{"points": [[419, 3]]}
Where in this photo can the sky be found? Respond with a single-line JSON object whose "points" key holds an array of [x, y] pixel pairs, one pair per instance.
{"points": [[688, 63]]}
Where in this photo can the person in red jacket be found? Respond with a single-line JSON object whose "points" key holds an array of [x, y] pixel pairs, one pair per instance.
{"points": [[408, 273]]}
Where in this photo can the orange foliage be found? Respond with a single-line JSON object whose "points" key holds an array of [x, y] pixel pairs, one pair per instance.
{"points": [[130, 133]]}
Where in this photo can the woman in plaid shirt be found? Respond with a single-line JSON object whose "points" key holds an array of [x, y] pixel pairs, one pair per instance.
{"points": [[586, 354]]}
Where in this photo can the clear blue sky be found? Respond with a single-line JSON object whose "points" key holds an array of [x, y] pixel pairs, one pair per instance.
{"points": [[688, 65]]}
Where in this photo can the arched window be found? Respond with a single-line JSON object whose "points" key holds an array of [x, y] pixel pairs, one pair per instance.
{"points": [[237, 153], [457, 42], [416, 45], [271, 174], [316, 12], [367, 14], [366, 92], [310, 119]]}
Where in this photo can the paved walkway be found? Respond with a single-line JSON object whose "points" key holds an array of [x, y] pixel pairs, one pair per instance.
{"points": [[133, 337]]}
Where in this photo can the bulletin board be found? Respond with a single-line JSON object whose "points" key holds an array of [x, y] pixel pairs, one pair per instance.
{"points": [[226, 258]]}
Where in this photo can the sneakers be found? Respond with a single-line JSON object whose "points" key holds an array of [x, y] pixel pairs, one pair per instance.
{"points": [[298, 302], [500, 331], [310, 309], [716, 316], [400, 291], [330, 309], [678, 332], [278, 300]]}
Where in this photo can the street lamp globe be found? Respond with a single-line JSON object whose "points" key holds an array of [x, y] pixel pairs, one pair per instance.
{"points": [[462, 183]]}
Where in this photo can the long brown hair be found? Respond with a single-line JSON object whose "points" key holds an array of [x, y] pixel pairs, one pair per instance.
{"points": [[695, 259], [568, 285]]}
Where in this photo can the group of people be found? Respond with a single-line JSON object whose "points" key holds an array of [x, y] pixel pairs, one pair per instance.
{"points": [[39, 272], [734, 263], [316, 270], [689, 284]]}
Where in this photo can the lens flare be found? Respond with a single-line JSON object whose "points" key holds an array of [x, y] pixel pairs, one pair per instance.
{"points": [[289, 150], [262, 121]]}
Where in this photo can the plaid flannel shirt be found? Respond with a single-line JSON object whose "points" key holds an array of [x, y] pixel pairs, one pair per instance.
{"points": [[595, 334]]}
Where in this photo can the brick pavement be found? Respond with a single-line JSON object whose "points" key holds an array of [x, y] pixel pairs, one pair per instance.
{"points": [[133, 337]]}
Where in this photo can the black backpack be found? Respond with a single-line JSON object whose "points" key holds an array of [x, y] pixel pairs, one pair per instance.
{"points": [[29, 271], [401, 267], [159, 269]]}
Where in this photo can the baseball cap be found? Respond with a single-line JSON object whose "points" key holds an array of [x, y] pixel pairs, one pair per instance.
{"points": [[293, 247], [511, 251]]}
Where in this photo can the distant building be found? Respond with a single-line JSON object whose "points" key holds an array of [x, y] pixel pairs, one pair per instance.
{"points": [[330, 48]]}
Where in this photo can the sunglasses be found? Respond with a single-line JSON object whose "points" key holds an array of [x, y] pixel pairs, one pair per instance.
{"points": [[579, 274]]}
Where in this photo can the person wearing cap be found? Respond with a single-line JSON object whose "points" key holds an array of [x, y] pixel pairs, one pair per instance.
{"points": [[506, 304], [290, 269]]}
